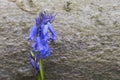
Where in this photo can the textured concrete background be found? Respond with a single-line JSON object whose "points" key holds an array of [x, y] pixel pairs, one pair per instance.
{"points": [[88, 45]]}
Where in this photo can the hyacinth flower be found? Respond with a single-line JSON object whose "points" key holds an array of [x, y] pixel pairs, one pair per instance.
{"points": [[40, 35]]}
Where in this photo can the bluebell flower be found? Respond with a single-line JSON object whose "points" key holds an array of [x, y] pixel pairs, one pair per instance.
{"points": [[34, 63], [51, 29], [45, 35], [40, 34], [33, 33]]}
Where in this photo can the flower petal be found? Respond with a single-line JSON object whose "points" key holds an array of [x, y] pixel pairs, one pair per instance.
{"points": [[38, 21], [51, 29], [44, 32], [34, 46], [45, 52], [39, 44], [32, 62], [33, 33]]}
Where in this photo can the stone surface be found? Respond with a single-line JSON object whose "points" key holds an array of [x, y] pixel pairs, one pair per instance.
{"points": [[88, 46]]}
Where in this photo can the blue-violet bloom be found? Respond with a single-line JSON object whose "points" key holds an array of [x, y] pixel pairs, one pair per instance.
{"points": [[40, 34]]}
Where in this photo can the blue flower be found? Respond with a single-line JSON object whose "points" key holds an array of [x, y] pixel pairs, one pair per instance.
{"points": [[38, 45], [34, 63], [40, 34], [33, 33], [51, 29], [44, 33]]}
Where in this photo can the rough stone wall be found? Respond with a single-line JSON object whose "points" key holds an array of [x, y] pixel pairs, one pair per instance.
{"points": [[88, 45]]}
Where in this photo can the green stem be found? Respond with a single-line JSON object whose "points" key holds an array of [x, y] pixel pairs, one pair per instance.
{"points": [[41, 70], [39, 76]]}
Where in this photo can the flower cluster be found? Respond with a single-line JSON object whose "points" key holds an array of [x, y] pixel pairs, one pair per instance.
{"points": [[40, 35]]}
